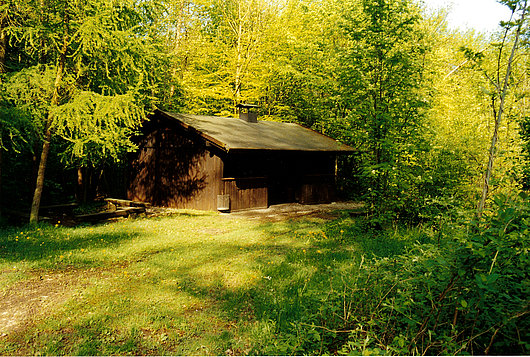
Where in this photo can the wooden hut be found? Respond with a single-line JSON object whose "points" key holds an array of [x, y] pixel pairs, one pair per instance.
{"points": [[214, 163]]}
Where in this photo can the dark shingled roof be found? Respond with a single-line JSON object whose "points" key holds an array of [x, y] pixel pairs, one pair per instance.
{"points": [[237, 134]]}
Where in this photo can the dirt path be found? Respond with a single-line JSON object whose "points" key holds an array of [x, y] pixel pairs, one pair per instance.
{"points": [[295, 210], [277, 213], [23, 302]]}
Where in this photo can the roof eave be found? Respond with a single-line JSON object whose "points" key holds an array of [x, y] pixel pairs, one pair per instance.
{"points": [[337, 152], [189, 128]]}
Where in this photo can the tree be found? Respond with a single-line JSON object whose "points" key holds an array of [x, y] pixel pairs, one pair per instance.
{"points": [[101, 55], [222, 55], [299, 77], [457, 118], [382, 83], [501, 83]]}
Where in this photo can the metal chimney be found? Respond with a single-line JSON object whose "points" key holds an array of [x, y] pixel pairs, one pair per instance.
{"points": [[246, 112]]}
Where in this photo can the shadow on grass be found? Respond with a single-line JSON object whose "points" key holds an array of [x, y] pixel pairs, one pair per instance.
{"points": [[293, 292], [280, 277], [33, 244], [325, 252], [299, 277]]}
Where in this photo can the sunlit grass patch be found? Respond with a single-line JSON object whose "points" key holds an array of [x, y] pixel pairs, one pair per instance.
{"points": [[191, 283]]}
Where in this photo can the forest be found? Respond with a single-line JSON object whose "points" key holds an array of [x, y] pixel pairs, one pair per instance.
{"points": [[439, 119]]}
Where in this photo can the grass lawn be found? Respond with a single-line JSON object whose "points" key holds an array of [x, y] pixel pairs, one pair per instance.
{"points": [[189, 284]]}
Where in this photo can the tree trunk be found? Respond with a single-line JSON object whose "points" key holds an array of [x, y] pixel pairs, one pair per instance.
{"points": [[81, 192], [3, 52], [178, 38], [3, 47], [502, 96], [35, 205], [239, 65]]}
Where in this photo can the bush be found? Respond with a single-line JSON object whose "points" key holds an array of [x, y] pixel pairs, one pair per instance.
{"points": [[464, 293]]}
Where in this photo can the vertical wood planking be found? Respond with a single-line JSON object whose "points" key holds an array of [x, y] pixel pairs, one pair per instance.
{"points": [[246, 192], [176, 168], [173, 171]]}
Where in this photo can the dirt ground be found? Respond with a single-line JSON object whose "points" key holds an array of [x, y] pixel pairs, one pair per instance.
{"points": [[26, 300], [295, 210], [277, 213]]}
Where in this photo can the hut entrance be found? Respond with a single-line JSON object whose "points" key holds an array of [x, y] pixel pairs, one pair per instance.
{"points": [[281, 190], [284, 173]]}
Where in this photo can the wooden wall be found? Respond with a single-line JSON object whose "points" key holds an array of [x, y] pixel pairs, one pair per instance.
{"points": [[174, 168], [316, 189], [245, 193], [171, 170], [303, 177]]}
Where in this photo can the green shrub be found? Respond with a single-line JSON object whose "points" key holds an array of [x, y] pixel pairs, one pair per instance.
{"points": [[462, 291]]}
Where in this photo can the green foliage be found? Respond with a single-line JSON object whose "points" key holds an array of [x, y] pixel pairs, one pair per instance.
{"points": [[13, 123], [97, 127], [30, 91], [452, 292], [218, 47], [110, 54], [82, 73], [525, 135], [114, 47], [493, 264], [382, 82], [300, 82]]}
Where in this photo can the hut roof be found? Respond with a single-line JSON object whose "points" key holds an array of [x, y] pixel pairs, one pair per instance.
{"points": [[232, 134]]}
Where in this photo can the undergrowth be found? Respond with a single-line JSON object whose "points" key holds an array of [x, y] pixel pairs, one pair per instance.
{"points": [[461, 291], [202, 284]]}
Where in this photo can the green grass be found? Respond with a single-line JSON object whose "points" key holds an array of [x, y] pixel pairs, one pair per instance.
{"points": [[189, 284]]}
